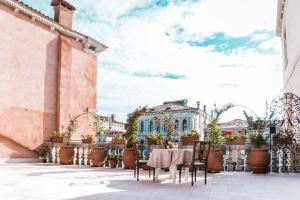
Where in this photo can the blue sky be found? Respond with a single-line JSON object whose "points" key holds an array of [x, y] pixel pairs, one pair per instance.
{"points": [[214, 51]]}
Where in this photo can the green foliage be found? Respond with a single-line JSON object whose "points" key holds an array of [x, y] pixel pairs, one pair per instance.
{"points": [[156, 138], [233, 137], [112, 157], [258, 140], [188, 134], [59, 134], [100, 125], [215, 135], [87, 138], [132, 126], [119, 137], [71, 128], [170, 126]]}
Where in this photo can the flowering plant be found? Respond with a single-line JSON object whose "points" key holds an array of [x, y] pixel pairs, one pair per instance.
{"points": [[87, 138], [240, 136], [119, 136], [155, 137], [188, 134]]}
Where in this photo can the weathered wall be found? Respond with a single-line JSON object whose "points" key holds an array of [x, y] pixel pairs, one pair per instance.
{"points": [[83, 92], [291, 69], [28, 63], [44, 81]]}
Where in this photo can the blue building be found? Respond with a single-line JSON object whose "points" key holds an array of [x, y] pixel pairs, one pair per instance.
{"points": [[186, 118]]}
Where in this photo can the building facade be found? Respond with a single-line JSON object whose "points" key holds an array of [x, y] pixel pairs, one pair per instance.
{"points": [[48, 75], [111, 124], [288, 20], [185, 118]]}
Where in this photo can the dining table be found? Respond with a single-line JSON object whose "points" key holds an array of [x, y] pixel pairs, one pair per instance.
{"points": [[170, 158]]}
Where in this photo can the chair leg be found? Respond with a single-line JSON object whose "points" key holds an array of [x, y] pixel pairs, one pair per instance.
{"points": [[192, 176], [195, 174], [134, 175], [149, 172], [180, 169], [153, 174], [205, 173], [138, 173]]}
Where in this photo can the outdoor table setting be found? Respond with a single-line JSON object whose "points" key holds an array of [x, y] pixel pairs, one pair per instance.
{"points": [[170, 158]]}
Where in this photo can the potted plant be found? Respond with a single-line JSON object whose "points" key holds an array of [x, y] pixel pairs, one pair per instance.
{"points": [[113, 160], [189, 137], [43, 153], [66, 153], [282, 139], [58, 136], [155, 139], [101, 127], [119, 139], [215, 136], [131, 136], [87, 139], [236, 139], [259, 154]]}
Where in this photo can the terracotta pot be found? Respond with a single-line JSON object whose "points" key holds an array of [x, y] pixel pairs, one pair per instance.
{"points": [[236, 142], [86, 141], [66, 155], [119, 141], [113, 163], [57, 139], [215, 161], [189, 140], [128, 158], [259, 160], [98, 156]]}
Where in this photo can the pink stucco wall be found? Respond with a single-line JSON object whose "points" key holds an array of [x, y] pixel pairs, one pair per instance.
{"points": [[29, 62]]}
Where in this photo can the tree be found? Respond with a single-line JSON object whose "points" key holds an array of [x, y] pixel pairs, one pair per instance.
{"points": [[214, 130], [132, 126], [170, 126]]}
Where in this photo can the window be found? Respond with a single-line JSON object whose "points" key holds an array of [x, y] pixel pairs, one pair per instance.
{"points": [[158, 128], [151, 126], [184, 125], [176, 125], [142, 127]]}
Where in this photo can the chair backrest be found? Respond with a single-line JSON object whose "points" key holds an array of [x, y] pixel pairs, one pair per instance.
{"points": [[201, 150]]}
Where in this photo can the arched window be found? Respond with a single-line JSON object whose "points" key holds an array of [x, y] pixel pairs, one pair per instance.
{"points": [[176, 125], [158, 128], [184, 125], [151, 126], [142, 127]]}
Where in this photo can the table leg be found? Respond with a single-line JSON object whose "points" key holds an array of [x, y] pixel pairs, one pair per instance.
{"points": [[186, 173], [157, 173], [173, 172]]}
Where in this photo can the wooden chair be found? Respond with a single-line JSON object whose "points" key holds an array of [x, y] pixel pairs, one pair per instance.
{"points": [[140, 162], [200, 160]]}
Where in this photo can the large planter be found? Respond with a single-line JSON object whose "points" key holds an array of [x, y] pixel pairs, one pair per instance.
{"points": [[66, 155], [86, 142], [119, 141], [57, 139], [236, 142], [98, 156], [189, 140], [215, 161], [113, 163], [128, 158], [259, 160]]}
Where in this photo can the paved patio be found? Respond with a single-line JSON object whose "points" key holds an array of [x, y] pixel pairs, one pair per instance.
{"points": [[46, 181]]}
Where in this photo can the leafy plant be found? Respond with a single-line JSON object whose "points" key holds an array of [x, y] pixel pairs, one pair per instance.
{"points": [[258, 140], [59, 134], [100, 125], [112, 157], [188, 134], [170, 126], [155, 137], [233, 137], [215, 135], [132, 126], [71, 128], [87, 138], [119, 137]]}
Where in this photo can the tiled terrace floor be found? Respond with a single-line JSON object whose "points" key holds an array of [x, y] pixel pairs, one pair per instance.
{"points": [[44, 181]]}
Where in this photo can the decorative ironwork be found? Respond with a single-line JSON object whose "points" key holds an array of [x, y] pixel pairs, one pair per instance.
{"points": [[285, 142]]}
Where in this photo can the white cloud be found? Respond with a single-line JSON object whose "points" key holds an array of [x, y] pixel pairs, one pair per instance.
{"points": [[138, 42]]}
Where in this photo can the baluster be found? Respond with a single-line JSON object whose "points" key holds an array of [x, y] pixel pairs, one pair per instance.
{"points": [[49, 154], [89, 155], [75, 155], [84, 154], [56, 150]]}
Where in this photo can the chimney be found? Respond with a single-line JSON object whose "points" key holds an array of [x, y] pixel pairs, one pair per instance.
{"points": [[63, 12], [113, 117], [198, 105], [204, 108]]}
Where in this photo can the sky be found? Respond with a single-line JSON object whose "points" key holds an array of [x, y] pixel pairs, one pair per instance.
{"points": [[212, 51]]}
